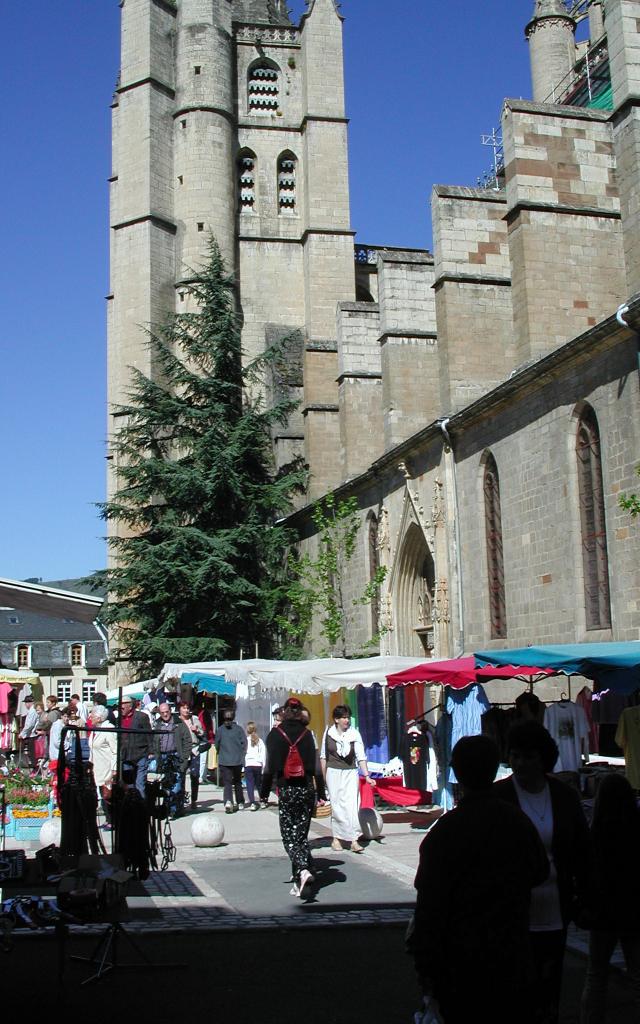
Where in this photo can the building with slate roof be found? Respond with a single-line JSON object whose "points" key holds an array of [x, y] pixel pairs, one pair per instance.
{"points": [[54, 632]]}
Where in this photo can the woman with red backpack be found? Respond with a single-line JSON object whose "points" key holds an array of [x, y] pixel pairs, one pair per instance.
{"points": [[291, 760]]}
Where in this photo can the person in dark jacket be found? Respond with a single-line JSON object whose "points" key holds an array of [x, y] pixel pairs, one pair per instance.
{"points": [[297, 795], [470, 932], [231, 744], [135, 743], [614, 894], [555, 810], [172, 747]]}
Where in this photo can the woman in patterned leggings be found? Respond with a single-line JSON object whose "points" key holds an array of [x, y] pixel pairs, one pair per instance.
{"points": [[296, 792]]}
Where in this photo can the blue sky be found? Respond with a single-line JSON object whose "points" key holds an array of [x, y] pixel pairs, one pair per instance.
{"points": [[424, 79]]}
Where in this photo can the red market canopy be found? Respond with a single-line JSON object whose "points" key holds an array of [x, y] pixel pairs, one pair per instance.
{"points": [[461, 672]]}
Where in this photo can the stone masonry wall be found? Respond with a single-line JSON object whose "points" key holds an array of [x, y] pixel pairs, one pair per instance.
{"points": [[359, 386], [408, 340], [567, 263], [533, 441], [623, 41], [472, 292]]}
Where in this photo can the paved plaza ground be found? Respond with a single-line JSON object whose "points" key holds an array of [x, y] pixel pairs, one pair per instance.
{"points": [[254, 953]]}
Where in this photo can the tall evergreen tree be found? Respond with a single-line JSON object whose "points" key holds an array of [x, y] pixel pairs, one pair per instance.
{"points": [[197, 559]]}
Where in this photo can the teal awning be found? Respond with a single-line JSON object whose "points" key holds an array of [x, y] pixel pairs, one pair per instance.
{"points": [[207, 683], [614, 666]]}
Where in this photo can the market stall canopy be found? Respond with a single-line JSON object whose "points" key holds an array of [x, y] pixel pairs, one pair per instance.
{"points": [[614, 666], [461, 672], [205, 682], [135, 690], [318, 675], [7, 675]]}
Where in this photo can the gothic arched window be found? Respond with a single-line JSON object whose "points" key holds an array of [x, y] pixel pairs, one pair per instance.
{"points": [[287, 175], [595, 561], [263, 87], [495, 558], [247, 181]]}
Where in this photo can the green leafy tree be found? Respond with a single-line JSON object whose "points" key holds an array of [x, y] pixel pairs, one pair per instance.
{"points": [[317, 587], [631, 502], [197, 558]]}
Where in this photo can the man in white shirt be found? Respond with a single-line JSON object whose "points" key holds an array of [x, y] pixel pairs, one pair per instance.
{"points": [[28, 733]]}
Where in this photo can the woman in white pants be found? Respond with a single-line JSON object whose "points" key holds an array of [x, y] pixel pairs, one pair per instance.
{"points": [[341, 754]]}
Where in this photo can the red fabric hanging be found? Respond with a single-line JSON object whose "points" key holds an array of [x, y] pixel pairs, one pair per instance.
{"points": [[393, 792]]}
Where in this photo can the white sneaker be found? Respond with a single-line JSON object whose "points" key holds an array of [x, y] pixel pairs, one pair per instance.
{"points": [[228, 807], [294, 891], [254, 807]]}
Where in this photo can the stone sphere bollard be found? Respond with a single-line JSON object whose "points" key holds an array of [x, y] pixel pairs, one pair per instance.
{"points": [[51, 832], [207, 830], [370, 822]]}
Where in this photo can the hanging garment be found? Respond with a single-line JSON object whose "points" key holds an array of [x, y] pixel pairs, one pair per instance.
{"points": [[415, 759], [568, 725], [466, 708], [496, 723], [396, 720], [628, 738], [443, 795], [584, 701], [413, 701], [5, 690], [351, 700], [6, 731], [23, 693], [392, 791], [373, 725]]}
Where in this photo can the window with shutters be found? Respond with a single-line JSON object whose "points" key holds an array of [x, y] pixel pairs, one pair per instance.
{"points": [[595, 560], [495, 558], [263, 88], [287, 168]]}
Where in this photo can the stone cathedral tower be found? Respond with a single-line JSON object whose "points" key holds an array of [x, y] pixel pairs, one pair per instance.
{"points": [[228, 119]]}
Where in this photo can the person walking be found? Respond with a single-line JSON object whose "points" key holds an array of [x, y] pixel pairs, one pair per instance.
{"points": [[253, 765], [614, 894], [103, 755], [231, 744], [135, 743], [28, 734], [469, 936], [555, 811], [196, 732], [173, 751], [291, 761], [206, 721], [341, 754]]}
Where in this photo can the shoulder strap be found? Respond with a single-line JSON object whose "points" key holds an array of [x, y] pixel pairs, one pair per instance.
{"points": [[292, 743]]}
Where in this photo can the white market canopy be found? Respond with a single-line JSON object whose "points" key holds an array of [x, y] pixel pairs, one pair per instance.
{"points": [[134, 690], [318, 675], [8, 675]]}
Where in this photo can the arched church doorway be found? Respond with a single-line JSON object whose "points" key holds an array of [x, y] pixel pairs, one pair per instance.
{"points": [[414, 596]]}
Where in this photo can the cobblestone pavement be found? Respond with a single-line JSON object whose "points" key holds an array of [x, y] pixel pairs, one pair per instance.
{"points": [[243, 883]]}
